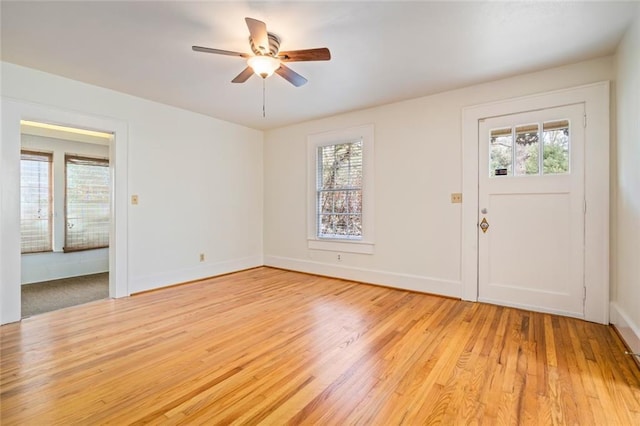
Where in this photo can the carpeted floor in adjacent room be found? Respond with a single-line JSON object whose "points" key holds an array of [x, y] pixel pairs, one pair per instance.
{"points": [[50, 296]]}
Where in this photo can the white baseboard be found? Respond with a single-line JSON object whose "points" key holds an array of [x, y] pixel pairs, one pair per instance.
{"points": [[629, 331], [204, 270], [38, 267], [389, 279]]}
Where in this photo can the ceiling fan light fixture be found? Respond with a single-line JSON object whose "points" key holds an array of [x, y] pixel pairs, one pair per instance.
{"points": [[266, 62], [263, 65]]}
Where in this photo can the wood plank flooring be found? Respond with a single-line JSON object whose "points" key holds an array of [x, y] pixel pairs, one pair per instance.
{"points": [[267, 346]]}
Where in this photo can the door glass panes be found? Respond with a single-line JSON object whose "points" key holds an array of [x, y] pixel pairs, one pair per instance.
{"points": [[517, 151], [501, 152], [527, 148], [555, 139]]}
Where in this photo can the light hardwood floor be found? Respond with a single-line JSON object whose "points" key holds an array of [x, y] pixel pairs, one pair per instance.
{"points": [[276, 347]]}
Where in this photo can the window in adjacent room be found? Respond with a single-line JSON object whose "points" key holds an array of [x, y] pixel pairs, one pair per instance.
{"points": [[87, 203], [35, 201]]}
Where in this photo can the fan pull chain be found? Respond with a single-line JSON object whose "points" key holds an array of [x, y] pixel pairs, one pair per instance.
{"points": [[264, 114]]}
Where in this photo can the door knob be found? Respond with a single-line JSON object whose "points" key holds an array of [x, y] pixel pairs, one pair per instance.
{"points": [[484, 211]]}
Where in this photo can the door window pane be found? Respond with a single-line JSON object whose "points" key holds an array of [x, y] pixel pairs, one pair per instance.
{"points": [[501, 152], [555, 137], [527, 148]]}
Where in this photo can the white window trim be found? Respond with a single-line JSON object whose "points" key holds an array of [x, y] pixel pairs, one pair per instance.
{"points": [[366, 244]]}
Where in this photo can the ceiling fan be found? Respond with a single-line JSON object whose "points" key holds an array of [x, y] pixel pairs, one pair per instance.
{"points": [[267, 57]]}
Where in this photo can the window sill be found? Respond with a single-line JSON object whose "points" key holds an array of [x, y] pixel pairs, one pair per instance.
{"points": [[346, 246]]}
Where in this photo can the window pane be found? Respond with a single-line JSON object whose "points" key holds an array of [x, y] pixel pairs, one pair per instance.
{"points": [[355, 225], [35, 202], [340, 190], [341, 165], [555, 140], [326, 158], [341, 205], [501, 152], [326, 202], [355, 201], [87, 202], [527, 148], [327, 224], [341, 225]]}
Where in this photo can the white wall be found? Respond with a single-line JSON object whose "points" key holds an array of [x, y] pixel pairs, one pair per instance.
{"points": [[37, 267], [625, 261], [418, 164], [199, 182]]}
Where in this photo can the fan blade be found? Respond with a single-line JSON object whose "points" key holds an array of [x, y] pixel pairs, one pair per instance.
{"points": [[258, 31], [320, 54], [219, 51], [243, 76], [291, 76]]}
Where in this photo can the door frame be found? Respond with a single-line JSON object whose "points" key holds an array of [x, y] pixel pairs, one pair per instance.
{"points": [[596, 99], [13, 111]]}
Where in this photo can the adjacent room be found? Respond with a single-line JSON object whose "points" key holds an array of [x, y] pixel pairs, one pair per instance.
{"points": [[365, 212], [64, 216]]}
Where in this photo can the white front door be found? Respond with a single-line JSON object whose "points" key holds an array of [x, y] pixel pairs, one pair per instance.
{"points": [[531, 210]]}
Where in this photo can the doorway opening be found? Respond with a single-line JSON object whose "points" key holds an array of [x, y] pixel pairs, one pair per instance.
{"points": [[13, 112], [65, 205]]}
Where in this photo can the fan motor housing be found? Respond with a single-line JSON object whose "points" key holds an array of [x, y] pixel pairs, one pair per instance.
{"points": [[274, 45]]}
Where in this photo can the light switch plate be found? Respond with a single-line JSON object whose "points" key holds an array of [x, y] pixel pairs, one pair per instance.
{"points": [[456, 197]]}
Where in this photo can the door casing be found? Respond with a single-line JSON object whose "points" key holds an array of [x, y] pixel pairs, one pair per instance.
{"points": [[596, 99], [12, 112]]}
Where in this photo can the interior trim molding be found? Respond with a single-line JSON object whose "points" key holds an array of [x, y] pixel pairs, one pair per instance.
{"points": [[595, 97], [15, 110], [200, 272], [627, 329], [417, 283]]}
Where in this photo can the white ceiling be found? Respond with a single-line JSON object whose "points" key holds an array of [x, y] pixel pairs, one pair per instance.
{"points": [[381, 51]]}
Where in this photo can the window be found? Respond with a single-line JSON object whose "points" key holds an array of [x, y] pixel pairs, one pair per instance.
{"points": [[516, 151], [339, 190], [340, 206], [35, 201], [87, 203]]}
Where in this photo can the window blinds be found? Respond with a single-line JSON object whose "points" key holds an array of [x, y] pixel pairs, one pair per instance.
{"points": [[87, 203], [35, 201]]}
